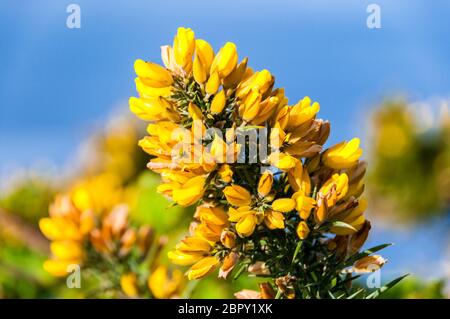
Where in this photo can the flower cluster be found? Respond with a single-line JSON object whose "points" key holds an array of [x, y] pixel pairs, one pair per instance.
{"points": [[269, 197], [107, 246]]}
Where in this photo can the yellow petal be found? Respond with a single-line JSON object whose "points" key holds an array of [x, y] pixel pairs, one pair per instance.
{"points": [[283, 205], [343, 155], [218, 102], [163, 284], [183, 259], [237, 195], [265, 183], [212, 86], [202, 268], [59, 268], [302, 230], [128, 283], [274, 220], [226, 60], [246, 225], [152, 74], [194, 112], [190, 192], [183, 47], [68, 250]]}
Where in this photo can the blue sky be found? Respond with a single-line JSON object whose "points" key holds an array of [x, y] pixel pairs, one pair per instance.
{"points": [[59, 84]]}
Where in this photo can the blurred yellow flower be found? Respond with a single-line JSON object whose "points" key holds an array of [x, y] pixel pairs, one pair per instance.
{"points": [[164, 284]]}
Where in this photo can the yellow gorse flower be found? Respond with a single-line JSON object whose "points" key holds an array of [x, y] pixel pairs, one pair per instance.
{"points": [[183, 48], [343, 155], [165, 284], [201, 107], [67, 227], [237, 195]]}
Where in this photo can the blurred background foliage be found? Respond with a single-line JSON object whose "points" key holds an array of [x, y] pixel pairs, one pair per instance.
{"points": [[109, 169], [409, 151], [409, 181]]}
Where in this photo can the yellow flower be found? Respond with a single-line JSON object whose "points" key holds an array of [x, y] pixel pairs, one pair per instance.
{"points": [[59, 228], [228, 239], [265, 184], [283, 161], [148, 91], [204, 55], [203, 267], [58, 267], [260, 81], [302, 230], [164, 284], [354, 217], [343, 155], [283, 205], [194, 112], [226, 60], [199, 71], [66, 249], [184, 259], [298, 178], [274, 220], [190, 192], [218, 102], [237, 75], [205, 52], [212, 86], [228, 264], [190, 250], [266, 109], [226, 174], [212, 215], [303, 204], [250, 106], [183, 48], [237, 195], [209, 231], [335, 188], [128, 283], [245, 218], [193, 244], [152, 74], [302, 112]]}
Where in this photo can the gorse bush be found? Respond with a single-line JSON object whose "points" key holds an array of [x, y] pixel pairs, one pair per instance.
{"points": [[270, 199]]}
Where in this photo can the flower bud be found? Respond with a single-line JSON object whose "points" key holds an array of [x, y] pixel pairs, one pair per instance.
{"points": [[228, 264], [302, 230], [218, 102], [228, 239], [213, 83], [183, 48], [226, 174], [283, 205], [265, 183], [226, 60], [203, 267], [343, 155], [152, 74], [237, 195], [128, 283]]}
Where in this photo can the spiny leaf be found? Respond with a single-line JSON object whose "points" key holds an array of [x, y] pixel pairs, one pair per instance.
{"points": [[297, 250], [355, 294], [341, 224]]}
